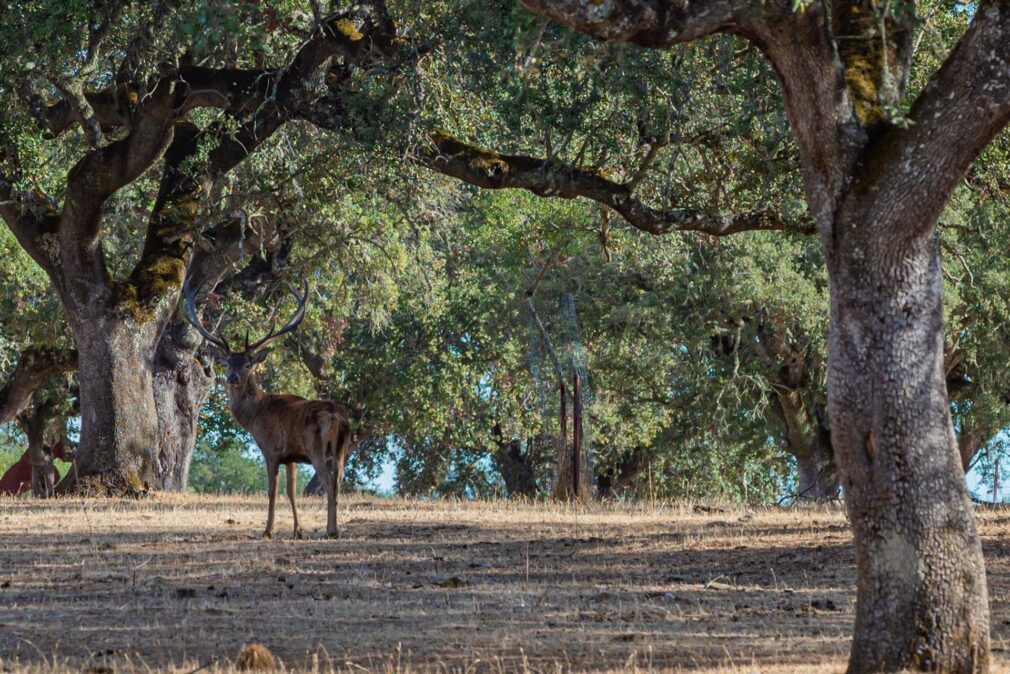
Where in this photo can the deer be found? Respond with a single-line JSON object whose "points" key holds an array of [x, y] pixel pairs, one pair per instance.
{"points": [[288, 429]]}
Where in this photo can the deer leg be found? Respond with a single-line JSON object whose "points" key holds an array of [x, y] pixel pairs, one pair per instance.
{"points": [[292, 487], [272, 469], [339, 479], [331, 500]]}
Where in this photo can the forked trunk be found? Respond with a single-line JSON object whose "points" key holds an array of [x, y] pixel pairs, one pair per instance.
{"points": [[921, 590], [119, 424]]}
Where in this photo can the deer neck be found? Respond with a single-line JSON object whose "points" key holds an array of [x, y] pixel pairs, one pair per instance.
{"points": [[246, 399]]}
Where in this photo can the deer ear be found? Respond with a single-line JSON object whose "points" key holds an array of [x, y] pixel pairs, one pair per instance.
{"points": [[260, 356]]}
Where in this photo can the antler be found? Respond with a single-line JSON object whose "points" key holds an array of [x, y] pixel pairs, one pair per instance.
{"points": [[189, 309], [291, 324]]}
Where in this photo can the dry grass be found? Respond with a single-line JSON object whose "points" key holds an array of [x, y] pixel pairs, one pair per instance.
{"points": [[181, 582]]}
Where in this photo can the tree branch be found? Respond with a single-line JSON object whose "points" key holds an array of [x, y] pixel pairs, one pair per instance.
{"points": [[548, 178], [799, 46], [962, 108], [34, 367], [361, 33], [101, 172], [29, 216], [173, 230]]}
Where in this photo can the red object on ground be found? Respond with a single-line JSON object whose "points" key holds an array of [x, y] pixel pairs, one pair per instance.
{"points": [[18, 477]]}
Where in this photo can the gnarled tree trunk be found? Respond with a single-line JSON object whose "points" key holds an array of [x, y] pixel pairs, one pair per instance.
{"points": [[119, 424], [181, 384], [921, 590]]}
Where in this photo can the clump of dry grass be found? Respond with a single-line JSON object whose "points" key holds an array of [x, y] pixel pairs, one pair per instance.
{"points": [[255, 658]]}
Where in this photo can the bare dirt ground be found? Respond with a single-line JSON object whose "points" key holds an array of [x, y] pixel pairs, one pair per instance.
{"points": [[181, 582]]}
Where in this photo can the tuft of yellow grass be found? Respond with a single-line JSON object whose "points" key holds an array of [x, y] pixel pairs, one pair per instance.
{"points": [[255, 657]]}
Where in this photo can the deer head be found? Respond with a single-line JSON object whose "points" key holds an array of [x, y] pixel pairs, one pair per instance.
{"points": [[240, 364]]}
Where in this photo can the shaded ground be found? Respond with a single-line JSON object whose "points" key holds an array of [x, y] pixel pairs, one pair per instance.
{"points": [[184, 581]]}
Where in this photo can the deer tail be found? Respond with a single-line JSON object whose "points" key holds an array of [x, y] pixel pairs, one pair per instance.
{"points": [[324, 434]]}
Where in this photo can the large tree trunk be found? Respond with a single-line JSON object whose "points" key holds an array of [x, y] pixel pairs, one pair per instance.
{"points": [[119, 424], [921, 590], [181, 384]]}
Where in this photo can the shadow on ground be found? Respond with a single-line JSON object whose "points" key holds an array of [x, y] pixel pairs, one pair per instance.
{"points": [[445, 586]]}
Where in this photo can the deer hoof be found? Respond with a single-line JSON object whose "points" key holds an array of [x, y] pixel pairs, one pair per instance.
{"points": [[333, 534], [298, 534], [267, 535]]}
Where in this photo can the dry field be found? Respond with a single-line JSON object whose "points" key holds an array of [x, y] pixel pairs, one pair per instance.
{"points": [[179, 583]]}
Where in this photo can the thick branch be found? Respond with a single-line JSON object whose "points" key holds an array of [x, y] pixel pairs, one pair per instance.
{"points": [[962, 108], [29, 216], [361, 33], [100, 173], [112, 109], [34, 368], [173, 229], [81, 110], [551, 179], [32, 221]]}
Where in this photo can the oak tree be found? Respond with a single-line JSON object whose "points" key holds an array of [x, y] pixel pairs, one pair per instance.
{"points": [[876, 181]]}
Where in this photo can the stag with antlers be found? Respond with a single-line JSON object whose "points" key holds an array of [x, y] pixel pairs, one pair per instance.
{"points": [[288, 429]]}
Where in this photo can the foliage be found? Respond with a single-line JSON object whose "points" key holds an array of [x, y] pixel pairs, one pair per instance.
{"points": [[418, 282]]}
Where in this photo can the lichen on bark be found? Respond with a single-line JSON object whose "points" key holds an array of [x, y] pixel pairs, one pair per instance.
{"points": [[868, 40]]}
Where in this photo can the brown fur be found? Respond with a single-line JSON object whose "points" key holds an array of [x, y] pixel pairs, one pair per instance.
{"points": [[290, 430]]}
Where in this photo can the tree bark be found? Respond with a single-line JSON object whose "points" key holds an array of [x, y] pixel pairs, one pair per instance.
{"points": [[921, 589], [44, 426], [181, 383], [806, 437], [119, 423], [817, 476]]}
